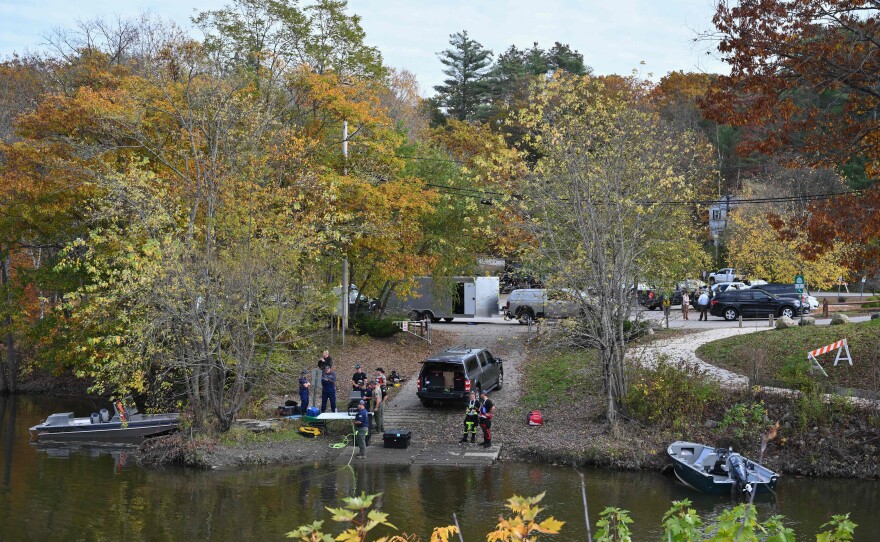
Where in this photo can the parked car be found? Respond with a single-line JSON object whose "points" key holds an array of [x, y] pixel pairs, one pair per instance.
{"points": [[728, 274], [789, 291], [752, 303], [529, 303], [453, 373], [720, 287]]}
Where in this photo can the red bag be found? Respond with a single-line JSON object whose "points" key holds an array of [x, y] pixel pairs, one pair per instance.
{"points": [[536, 418]]}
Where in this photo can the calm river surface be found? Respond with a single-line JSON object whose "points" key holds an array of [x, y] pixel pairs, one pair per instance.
{"points": [[95, 493]]}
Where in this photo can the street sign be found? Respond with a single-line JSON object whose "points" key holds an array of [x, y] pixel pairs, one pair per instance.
{"points": [[799, 283]]}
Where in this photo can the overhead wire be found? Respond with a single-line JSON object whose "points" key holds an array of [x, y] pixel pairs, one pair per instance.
{"points": [[474, 192]]}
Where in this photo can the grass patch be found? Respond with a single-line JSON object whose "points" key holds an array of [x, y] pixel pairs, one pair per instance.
{"points": [[238, 436], [786, 353], [559, 376]]}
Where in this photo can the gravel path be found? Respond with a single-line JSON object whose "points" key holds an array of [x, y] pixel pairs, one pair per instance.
{"points": [[685, 349]]}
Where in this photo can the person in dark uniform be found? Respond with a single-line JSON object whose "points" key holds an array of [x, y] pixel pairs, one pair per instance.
{"points": [[328, 389], [486, 412], [362, 426], [359, 379], [471, 418], [304, 386], [325, 361]]}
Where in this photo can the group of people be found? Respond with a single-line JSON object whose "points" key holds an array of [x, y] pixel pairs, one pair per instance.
{"points": [[703, 300], [372, 396], [478, 412]]}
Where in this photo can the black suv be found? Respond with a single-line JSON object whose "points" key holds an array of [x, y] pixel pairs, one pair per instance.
{"points": [[785, 290], [452, 374], [752, 303]]}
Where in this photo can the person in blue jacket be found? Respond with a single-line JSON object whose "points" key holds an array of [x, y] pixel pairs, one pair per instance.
{"points": [[328, 389], [304, 386], [362, 427]]}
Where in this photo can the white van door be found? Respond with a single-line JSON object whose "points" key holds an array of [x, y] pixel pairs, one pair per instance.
{"points": [[470, 298]]}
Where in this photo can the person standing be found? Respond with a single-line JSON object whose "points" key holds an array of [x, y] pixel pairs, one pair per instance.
{"points": [[358, 379], [703, 302], [328, 388], [380, 378], [486, 412], [471, 418], [685, 303], [362, 426], [304, 386], [325, 361], [378, 407]]}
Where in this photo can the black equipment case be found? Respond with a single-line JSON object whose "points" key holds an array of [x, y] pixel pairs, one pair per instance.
{"points": [[397, 438]]}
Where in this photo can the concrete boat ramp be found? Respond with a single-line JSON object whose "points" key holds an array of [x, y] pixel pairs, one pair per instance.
{"points": [[452, 455]]}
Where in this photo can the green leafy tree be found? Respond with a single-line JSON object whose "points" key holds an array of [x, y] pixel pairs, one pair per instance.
{"points": [[595, 202], [465, 91]]}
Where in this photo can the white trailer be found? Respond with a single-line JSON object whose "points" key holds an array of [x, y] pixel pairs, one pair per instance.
{"points": [[455, 297]]}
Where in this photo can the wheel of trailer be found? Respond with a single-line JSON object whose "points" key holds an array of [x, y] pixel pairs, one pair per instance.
{"points": [[428, 315], [447, 319], [414, 315]]}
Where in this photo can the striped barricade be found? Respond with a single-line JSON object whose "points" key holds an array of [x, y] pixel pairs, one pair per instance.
{"points": [[842, 354]]}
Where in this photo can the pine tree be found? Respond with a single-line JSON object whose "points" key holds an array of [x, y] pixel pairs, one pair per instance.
{"points": [[465, 93]]}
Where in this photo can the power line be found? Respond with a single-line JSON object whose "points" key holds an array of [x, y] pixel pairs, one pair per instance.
{"points": [[473, 192]]}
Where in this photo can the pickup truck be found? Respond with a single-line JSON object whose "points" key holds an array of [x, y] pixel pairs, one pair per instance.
{"points": [[728, 274]]}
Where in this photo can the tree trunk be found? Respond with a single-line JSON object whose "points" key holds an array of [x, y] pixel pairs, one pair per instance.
{"points": [[9, 369]]}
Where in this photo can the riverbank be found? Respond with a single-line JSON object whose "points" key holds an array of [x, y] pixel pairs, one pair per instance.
{"points": [[575, 431]]}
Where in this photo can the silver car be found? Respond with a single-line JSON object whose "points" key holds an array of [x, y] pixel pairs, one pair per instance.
{"points": [[529, 303]]}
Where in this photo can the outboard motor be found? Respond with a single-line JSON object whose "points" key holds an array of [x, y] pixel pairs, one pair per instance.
{"points": [[737, 468], [105, 415]]}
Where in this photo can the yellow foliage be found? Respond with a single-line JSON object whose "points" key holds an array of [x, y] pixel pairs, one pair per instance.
{"points": [[755, 249]]}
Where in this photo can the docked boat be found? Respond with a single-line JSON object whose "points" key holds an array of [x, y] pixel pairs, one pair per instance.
{"points": [[717, 471], [126, 425]]}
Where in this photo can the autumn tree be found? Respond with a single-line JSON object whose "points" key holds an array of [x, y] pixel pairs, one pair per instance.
{"points": [[802, 85], [754, 245], [465, 92], [802, 77], [279, 35], [598, 201]]}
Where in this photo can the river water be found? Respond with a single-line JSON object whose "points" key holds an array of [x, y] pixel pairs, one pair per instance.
{"points": [[96, 493]]}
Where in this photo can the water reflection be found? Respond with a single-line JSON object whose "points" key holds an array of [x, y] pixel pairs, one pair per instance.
{"points": [[90, 492], [8, 416]]}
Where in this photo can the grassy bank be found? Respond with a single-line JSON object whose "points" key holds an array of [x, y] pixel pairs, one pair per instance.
{"points": [[785, 354], [675, 402]]}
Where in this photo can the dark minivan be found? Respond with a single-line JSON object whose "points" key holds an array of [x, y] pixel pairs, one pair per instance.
{"points": [[752, 303], [452, 374]]}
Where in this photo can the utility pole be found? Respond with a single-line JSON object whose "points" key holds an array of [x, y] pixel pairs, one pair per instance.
{"points": [[345, 286]]}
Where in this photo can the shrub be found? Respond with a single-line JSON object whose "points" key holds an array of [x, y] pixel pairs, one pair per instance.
{"points": [[744, 422], [375, 327], [680, 524], [671, 395]]}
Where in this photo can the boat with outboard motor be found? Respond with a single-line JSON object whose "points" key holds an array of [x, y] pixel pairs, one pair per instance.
{"points": [[126, 425], [717, 471]]}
